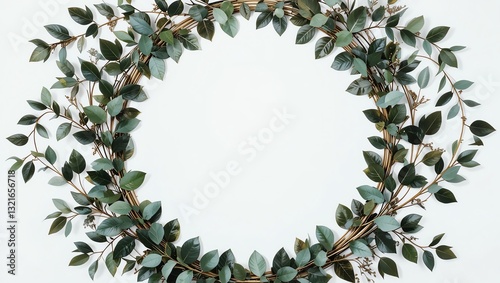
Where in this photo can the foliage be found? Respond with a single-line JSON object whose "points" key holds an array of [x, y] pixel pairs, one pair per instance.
{"points": [[104, 121]]}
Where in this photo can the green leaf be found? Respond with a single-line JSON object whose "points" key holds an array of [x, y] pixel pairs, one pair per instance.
{"points": [[167, 268], [280, 24], [50, 155], [318, 20], [324, 46], [343, 61], [79, 260], [209, 261], [448, 57], [371, 193], [231, 27], [132, 180], [90, 71], [190, 41], [360, 87], [124, 247], [206, 29], [386, 223], [342, 215], [85, 137], [109, 50], [28, 171], [357, 19], [157, 67], [463, 84], [445, 252], [175, 8], [453, 111], [18, 139], [172, 230], [245, 10], [37, 105], [93, 269], [407, 174], [198, 13], [225, 274], [115, 106], [436, 240], [185, 277], [239, 272], [220, 16], [112, 227], [105, 10], [127, 126], [42, 131], [437, 34], [175, 50], [387, 266], [445, 196], [344, 270], [151, 260], [305, 34], [121, 207], [57, 225], [286, 274], [151, 210], [41, 53], [423, 78], [81, 16], [432, 158], [264, 19], [385, 243], [410, 253], [46, 97], [431, 124], [481, 128], [140, 25], [27, 120], [96, 114], [112, 264], [325, 237], [428, 259], [156, 233], [303, 257], [145, 45], [61, 205], [58, 31], [390, 99], [77, 162], [416, 24], [360, 249], [190, 250], [257, 264], [344, 38]]}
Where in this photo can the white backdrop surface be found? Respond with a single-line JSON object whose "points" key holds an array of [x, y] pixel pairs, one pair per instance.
{"points": [[203, 118]]}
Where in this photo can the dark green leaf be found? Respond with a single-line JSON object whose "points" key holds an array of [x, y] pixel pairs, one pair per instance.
{"points": [[343, 61], [58, 31], [264, 19], [18, 139], [305, 34], [360, 87], [198, 13], [445, 252], [28, 171], [79, 260], [190, 251], [384, 242], [410, 253], [481, 128], [81, 16], [176, 8], [324, 46], [172, 230], [428, 259], [344, 270], [110, 50], [85, 137], [105, 10], [77, 162], [357, 19], [280, 24], [342, 215], [280, 260], [448, 57], [90, 71], [387, 266], [112, 264], [437, 34], [127, 126], [445, 196], [206, 29], [431, 124]]}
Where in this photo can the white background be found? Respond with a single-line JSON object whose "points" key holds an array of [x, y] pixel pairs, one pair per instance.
{"points": [[213, 102]]}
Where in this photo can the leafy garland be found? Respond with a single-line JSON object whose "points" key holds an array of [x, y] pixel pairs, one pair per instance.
{"points": [[103, 119]]}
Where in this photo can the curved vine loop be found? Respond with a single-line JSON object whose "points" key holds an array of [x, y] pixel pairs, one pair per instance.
{"points": [[372, 225]]}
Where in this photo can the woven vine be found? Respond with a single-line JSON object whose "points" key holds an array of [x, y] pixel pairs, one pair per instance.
{"points": [[405, 169]]}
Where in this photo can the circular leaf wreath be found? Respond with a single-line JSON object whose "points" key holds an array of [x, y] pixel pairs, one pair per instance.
{"points": [[104, 120]]}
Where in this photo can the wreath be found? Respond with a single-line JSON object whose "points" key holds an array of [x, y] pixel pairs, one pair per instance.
{"points": [[405, 169]]}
